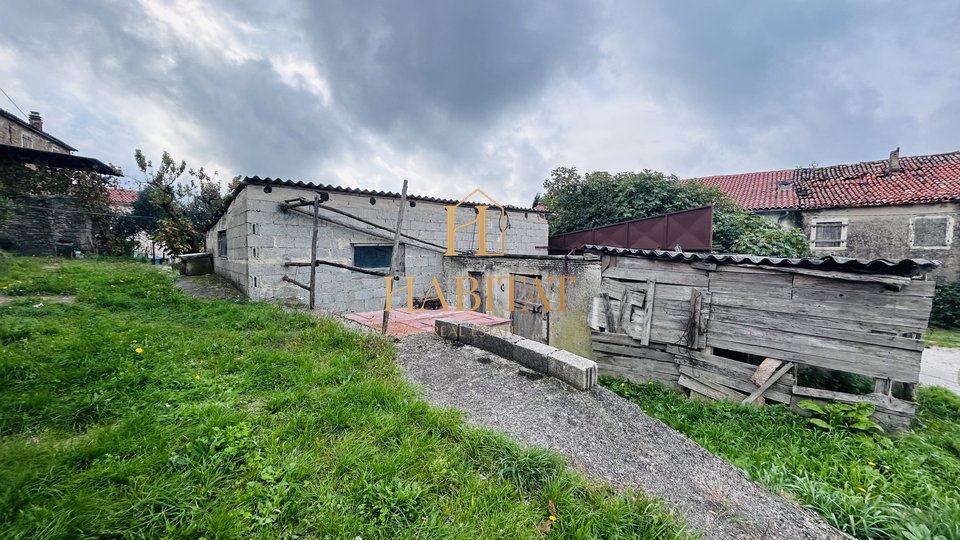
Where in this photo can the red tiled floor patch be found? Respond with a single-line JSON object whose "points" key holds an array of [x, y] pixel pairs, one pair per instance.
{"points": [[404, 322]]}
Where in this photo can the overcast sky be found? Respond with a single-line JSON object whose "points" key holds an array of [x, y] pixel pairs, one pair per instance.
{"points": [[455, 95]]}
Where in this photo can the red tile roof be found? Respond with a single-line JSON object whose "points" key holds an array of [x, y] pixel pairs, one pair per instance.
{"points": [[923, 179], [122, 196], [769, 190]]}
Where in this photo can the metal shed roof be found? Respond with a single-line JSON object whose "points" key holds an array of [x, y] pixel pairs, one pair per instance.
{"points": [[902, 267]]}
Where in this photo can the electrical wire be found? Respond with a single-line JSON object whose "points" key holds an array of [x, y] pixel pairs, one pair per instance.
{"points": [[14, 102]]}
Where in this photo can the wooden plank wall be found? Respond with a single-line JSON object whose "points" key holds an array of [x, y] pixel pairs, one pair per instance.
{"points": [[869, 325]]}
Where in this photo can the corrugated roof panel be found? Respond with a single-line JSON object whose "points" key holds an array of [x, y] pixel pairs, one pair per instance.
{"points": [[902, 267]]}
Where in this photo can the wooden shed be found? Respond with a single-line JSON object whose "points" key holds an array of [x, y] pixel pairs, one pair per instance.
{"points": [[737, 327]]}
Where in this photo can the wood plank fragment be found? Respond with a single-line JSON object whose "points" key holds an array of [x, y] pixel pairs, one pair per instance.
{"points": [[768, 383], [648, 311]]}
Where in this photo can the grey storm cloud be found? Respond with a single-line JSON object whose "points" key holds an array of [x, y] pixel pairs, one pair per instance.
{"points": [[499, 92]]}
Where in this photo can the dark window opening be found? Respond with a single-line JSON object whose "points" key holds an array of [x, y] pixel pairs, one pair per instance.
{"points": [[222, 243], [372, 256]]}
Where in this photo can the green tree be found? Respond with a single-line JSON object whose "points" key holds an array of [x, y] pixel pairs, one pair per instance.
{"points": [[185, 200], [582, 201]]}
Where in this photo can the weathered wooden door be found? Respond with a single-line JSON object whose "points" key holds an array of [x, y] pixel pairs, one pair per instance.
{"points": [[528, 316]]}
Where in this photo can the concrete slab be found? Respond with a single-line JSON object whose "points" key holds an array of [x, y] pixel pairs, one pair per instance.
{"points": [[405, 322], [941, 367]]}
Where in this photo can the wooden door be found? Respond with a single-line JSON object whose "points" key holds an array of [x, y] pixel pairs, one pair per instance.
{"points": [[481, 291], [528, 316]]}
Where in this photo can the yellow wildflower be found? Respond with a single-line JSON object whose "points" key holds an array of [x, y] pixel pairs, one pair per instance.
{"points": [[553, 518], [138, 350], [862, 489], [870, 463], [197, 377]]}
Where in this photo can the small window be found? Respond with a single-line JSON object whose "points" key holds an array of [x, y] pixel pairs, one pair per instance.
{"points": [[931, 232], [828, 234], [222, 243], [26, 141], [372, 256]]}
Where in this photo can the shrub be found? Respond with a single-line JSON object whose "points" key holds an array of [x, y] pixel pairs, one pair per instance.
{"points": [[946, 306]]}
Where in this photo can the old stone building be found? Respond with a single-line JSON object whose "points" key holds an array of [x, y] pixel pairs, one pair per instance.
{"points": [[253, 240], [30, 134], [42, 223], [896, 208]]}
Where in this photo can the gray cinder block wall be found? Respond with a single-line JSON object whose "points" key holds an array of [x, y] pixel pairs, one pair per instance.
{"points": [[260, 238]]}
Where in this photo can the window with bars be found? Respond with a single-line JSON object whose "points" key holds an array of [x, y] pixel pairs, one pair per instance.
{"points": [[828, 234]]}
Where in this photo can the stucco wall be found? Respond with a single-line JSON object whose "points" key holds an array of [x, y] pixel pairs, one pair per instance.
{"points": [[884, 232], [11, 133], [565, 329], [786, 219], [273, 236]]}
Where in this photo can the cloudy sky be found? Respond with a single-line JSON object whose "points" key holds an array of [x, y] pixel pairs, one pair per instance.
{"points": [[453, 95]]}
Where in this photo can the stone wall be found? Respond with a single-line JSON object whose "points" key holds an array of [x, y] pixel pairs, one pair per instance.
{"points": [[48, 226], [895, 232], [564, 328], [273, 236]]}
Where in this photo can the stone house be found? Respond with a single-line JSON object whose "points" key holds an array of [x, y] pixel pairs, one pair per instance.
{"points": [[897, 208], [15, 132], [42, 224], [254, 240], [121, 201]]}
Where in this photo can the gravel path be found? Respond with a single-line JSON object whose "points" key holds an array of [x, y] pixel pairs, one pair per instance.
{"points": [[606, 437], [941, 367]]}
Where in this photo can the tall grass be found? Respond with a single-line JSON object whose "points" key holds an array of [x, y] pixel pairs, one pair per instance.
{"points": [[138, 412], [906, 486]]}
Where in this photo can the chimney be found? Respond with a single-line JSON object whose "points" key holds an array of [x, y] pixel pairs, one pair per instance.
{"points": [[35, 121], [894, 165]]}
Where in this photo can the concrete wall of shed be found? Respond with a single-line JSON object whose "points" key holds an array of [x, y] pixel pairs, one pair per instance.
{"points": [[234, 267], [884, 232], [567, 328], [273, 236]]}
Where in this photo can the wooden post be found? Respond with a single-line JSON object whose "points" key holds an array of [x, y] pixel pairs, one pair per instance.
{"points": [[394, 254], [313, 252]]}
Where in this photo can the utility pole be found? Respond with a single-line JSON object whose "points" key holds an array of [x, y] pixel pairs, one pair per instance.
{"points": [[394, 255]]}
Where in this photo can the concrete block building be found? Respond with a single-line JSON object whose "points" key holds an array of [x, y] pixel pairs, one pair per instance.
{"points": [[253, 240]]}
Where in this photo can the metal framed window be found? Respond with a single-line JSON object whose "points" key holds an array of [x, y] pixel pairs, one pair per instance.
{"points": [[372, 256], [26, 141], [828, 234], [222, 243]]}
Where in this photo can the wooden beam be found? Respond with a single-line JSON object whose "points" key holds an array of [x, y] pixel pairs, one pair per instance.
{"points": [[768, 383], [339, 265], [295, 282], [313, 251], [648, 311], [394, 256], [611, 326]]}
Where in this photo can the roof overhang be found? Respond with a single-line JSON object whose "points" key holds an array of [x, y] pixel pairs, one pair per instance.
{"points": [[16, 154]]}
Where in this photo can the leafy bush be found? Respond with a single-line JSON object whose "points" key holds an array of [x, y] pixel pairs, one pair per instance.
{"points": [[854, 417], [946, 306]]}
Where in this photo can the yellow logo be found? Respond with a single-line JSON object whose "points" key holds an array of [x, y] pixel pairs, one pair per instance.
{"points": [[481, 223]]}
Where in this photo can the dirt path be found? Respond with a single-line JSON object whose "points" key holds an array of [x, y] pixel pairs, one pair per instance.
{"points": [[941, 367], [606, 437]]}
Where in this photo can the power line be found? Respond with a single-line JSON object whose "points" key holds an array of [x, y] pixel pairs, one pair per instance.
{"points": [[12, 101], [16, 206]]}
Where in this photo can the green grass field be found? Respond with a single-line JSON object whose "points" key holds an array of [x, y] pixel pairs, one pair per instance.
{"points": [[137, 412], [941, 337], [906, 486]]}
